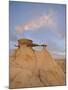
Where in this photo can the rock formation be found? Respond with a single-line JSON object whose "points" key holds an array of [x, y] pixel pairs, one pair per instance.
{"points": [[30, 68]]}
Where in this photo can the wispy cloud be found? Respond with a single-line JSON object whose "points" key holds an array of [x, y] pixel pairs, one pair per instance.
{"points": [[44, 20], [47, 20], [58, 54]]}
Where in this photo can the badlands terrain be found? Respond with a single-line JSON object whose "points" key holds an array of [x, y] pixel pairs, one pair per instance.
{"points": [[31, 68]]}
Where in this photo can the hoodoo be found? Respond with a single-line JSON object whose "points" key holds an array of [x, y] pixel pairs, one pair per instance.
{"points": [[31, 68]]}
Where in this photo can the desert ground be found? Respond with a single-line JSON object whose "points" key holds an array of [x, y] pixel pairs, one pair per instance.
{"points": [[61, 63]]}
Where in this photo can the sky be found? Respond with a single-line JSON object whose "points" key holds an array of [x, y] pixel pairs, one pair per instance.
{"points": [[41, 22]]}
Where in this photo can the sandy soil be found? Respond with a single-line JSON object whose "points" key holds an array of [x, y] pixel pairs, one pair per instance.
{"points": [[62, 64]]}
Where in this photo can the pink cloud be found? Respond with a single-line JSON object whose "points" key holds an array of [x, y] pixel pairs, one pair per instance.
{"points": [[45, 20]]}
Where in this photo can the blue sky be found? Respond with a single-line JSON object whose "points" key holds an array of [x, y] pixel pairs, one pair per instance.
{"points": [[43, 23]]}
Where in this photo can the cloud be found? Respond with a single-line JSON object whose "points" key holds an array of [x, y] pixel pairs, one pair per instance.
{"points": [[58, 54], [44, 20]]}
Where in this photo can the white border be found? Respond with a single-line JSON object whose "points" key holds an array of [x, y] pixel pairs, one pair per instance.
{"points": [[45, 1], [4, 43]]}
